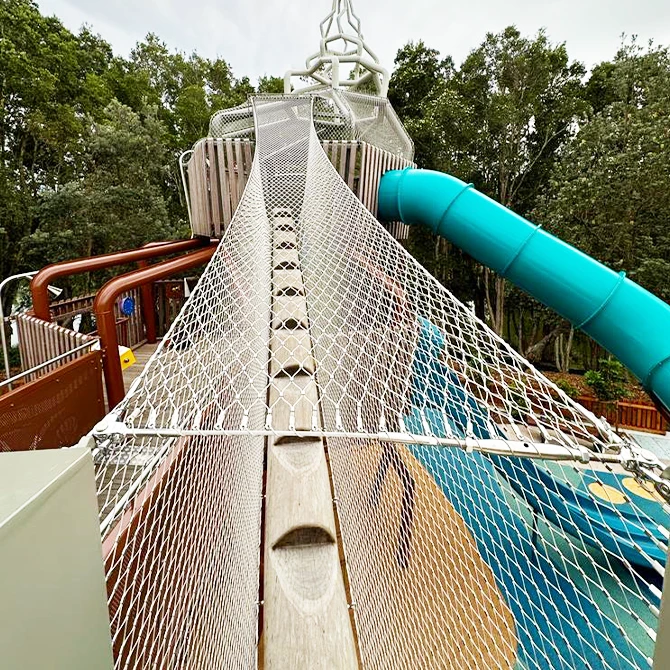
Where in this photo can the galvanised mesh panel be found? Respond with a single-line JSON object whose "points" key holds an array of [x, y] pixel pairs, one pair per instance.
{"points": [[487, 519], [336, 115], [234, 122], [182, 559]]}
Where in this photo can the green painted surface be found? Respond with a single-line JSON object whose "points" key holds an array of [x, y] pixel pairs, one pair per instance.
{"points": [[52, 588]]}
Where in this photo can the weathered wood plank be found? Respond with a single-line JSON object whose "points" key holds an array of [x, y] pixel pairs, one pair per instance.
{"points": [[291, 353], [223, 178], [239, 165], [306, 621], [248, 159], [215, 186], [197, 180], [285, 259], [352, 166], [288, 282], [344, 151], [40, 341], [284, 239], [231, 173], [289, 312]]}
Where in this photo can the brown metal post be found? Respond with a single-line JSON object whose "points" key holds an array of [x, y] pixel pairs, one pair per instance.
{"points": [[103, 308], [148, 307], [148, 300], [147, 297], [47, 275]]}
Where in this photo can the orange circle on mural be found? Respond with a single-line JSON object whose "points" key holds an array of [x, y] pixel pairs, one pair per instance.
{"points": [[607, 493], [645, 491]]}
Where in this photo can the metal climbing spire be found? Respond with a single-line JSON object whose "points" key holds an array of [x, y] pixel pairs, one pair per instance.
{"points": [[341, 44]]}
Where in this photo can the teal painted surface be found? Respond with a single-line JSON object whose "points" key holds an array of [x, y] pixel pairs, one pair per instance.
{"points": [[563, 572], [627, 320]]}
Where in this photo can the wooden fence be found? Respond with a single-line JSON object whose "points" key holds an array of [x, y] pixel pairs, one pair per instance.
{"points": [[41, 341], [217, 173], [170, 298], [218, 169], [129, 328], [64, 310], [374, 163], [627, 415]]}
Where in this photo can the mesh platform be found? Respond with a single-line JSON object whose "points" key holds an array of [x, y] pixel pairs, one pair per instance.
{"points": [[486, 519]]}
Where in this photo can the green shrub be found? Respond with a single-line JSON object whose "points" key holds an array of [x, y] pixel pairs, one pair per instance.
{"points": [[14, 357], [569, 389], [610, 381], [520, 406]]}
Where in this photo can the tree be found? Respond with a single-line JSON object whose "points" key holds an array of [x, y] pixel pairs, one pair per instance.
{"points": [[119, 203], [186, 90], [89, 142], [610, 193], [610, 381], [419, 85], [419, 76], [50, 82], [498, 121], [521, 99], [531, 328], [271, 85]]}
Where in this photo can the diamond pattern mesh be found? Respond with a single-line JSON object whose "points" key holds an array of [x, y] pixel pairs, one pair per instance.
{"points": [[487, 520]]}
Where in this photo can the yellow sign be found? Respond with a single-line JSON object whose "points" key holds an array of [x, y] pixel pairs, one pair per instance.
{"points": [[127, 357]]}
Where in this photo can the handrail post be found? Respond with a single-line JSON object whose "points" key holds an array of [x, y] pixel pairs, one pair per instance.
{"points": [[111, 365], [103, 308], [40, 282], [147, 297]]}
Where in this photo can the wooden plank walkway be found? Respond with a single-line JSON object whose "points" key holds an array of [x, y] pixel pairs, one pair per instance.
{"points": [[142, 355]]}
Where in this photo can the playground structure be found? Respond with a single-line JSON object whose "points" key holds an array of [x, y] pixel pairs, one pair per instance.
{"points": [[329, 461]]}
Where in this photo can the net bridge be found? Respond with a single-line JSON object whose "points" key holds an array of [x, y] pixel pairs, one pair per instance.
{"points": [[330, 461]]}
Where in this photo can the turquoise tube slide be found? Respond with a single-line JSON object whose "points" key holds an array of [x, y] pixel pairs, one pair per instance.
{"points": [[627, 320]]}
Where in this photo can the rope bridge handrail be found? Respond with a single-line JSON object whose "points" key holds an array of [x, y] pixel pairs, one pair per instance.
{"points": [[311, 334]]}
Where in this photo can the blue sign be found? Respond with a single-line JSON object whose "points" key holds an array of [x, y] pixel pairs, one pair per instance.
{"points": [[127, 306]]}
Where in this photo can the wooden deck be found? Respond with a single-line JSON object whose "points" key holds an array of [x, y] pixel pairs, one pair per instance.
{"points": [[142, 354]]}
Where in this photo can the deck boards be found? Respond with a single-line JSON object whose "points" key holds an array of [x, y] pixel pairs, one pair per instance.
{"points": [[142, 354]]}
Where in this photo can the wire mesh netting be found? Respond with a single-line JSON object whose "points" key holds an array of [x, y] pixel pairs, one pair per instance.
{"points": [[375, 121], [233, 122], [336, 115], [487, 520], [182, 559]]}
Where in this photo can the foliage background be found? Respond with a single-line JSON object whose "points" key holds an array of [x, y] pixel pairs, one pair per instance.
{"points": [[89, 143]]}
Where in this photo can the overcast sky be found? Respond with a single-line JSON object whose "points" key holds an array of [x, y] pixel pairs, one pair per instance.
{"points": [[270, 36]]}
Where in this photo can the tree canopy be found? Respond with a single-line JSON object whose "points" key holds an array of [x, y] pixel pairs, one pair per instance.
{"points": [[610, 193], [586, 156], [89, 143]]}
